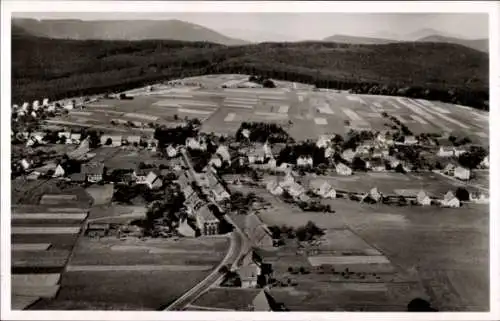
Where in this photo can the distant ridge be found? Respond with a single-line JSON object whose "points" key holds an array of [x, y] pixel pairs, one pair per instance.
{"points": [[478, 44], [122, 30], [357, 40]]}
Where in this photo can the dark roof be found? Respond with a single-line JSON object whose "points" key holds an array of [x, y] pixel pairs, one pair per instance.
{"points": [[93, 168], [77, 177], [142, 171]]}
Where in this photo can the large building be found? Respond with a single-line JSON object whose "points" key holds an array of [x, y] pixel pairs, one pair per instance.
{"points": [[206, 222]]}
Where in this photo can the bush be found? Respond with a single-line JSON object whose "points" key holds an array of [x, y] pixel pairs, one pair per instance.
{"points": [[462, 194]]}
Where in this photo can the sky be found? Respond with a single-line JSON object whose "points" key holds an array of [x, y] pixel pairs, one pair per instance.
{"points": [[305, 26]]}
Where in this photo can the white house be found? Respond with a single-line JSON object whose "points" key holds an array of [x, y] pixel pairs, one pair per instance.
{"points": [[185, 229], [66, 135], [36, 105], [267, 151], [342, 169], [223, 152], [24, 164], [450, 200], [445, 152], [248, 275], [449, 169], [410, 140], [348, 155], [295, 189], [323, 141], [45, 102], [246, 133], [153, 181], [457, 152], [215, 162], [133, 139], [305, 161], [256, 156], [375, 194], [75, 138], [329, 152], [51, 108], [69, 106], [38, 137], [25, 106], [462, 173], [271, 163], [171, 151], [485, 163], [274, 188], [423, 198], [33, 114], [320, 187], [59, 171]]}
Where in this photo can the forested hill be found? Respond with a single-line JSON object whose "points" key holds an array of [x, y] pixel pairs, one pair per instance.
{"points": [[57, 68]]}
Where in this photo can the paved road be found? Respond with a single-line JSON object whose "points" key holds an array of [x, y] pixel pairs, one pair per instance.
{"points": [[238, 248]]}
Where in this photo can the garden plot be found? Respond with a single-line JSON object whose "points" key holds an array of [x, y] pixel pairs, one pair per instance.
{"points": [[30, 246], [419, 120], [49, 216], [141, 116], [101, 194], [320, 121], [230, 117], [343, 240], [44, 230], [80, 113], [20, 280], [354, 117], [140, 268]]}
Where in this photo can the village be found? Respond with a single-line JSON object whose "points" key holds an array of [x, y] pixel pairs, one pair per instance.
{"points": [[179, 181]]}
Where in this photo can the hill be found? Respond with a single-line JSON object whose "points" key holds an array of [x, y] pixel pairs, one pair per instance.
{"points": [[122, 30], [478, 44], [56, 68], [357, 40]]}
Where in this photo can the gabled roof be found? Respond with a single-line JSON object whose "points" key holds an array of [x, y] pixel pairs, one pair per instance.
{"points": [[206, 214], [142, 171], [93, 168], [449, 196]]}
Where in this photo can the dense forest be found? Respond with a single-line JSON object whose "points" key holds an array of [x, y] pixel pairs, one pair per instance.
{"points": [[57, 68]]}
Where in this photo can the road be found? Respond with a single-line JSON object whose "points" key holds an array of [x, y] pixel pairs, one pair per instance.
{"points": [[238, 248], [466, 184]]}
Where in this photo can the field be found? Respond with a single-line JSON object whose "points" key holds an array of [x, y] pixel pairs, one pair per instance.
{"points": [[304, 113], [429, 245], [157, 271]]}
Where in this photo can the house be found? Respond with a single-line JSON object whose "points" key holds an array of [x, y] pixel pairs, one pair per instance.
{"points": [[379, 152], [274, 188], [38, 137], [423, 198], [24, 164], [410, 140], [342, 169], [393, 161], [97, 229], [332, 193], [36, 105], [171, 151], [66, 135], [114, 140], [303, 197], [271, 163], [215, 162], [445, 151], [153, 180], [193, 143], [323, 141], [69, 106], [256, 156], [320, 187], [223, 152], [185, 229], [268, 153], [93, 171], [51, 108], [305, 161], [329, 152], [450, 200], [485, 163], [33, 114], [373, 195], [133, 140], [140, 174], [295, 189], [287, 181], [246, 133], [449, 169], [461, 173], [75, 138], [220, 193], [59, 171], [25, 106], [457, 152], [45, 102], [206, 222], [348, 155], [248, 275]]}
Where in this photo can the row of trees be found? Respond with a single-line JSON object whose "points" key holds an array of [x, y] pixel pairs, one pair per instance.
{"points": [[308, 232], [262, 132], [290, 153]]}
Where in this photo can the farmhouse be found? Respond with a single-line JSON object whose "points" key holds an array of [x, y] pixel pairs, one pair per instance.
{"points": [[206, 222], [449, 169], [450, 200], [111, 140], [38, 137], [410, 140], [133, 140], [66, 135], [457, 152], [274, 188], [256, 156], [461, 173], [485, 163], [445, 151], [223, 152], [348, 155], [185, 229], [372, 196], [295, 189], [33, 114], [423, 198], [59, 171], [342, 169], [75, 138], [305, 161], [320, 187], [248, 275], [153, 181], [24, 164], [215, 162], [140, 174], [329, 152], [93, 171]]}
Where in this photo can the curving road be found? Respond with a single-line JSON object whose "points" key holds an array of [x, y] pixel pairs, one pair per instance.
{"points": [[238, 248]]}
